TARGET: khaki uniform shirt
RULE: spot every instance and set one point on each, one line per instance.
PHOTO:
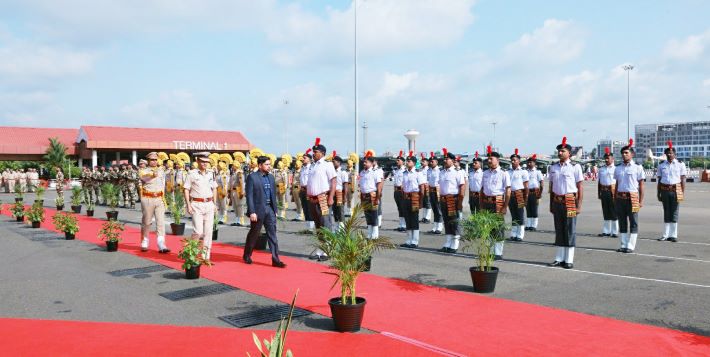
(153, 179)
(200, 185)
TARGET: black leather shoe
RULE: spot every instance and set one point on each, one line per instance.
(615, 236)
(323, 258)
(313, 257)
(629, 250)
(405, 245)
(533, 229)
(452, 251)
(221, 222)
(621, 250)
(568, 265)
(235, 224)
(673, 239)
(164, 251)
(442, 249)
(437, 232)
(247, 260)
(425, 220)
(498, 257)
(278, 264)
(413, 246)
(144, 249)
(602, 235)
(555, 264)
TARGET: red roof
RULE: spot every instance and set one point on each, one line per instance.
(111, 137)
(34, 141)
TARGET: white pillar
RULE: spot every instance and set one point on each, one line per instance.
(81, 162)
(118, 157)
(134, 158)
(94, 158)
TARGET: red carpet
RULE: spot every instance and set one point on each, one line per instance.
(464, 323)
(20, 337)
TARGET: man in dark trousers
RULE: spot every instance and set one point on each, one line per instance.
(261, 209)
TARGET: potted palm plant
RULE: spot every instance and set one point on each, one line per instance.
(19, 195)
(110, 193)
(39, 194)
(176, 205)
(76, 193)
(481, 231)
(18, 211)
(111, 233)
(348, 248)
(35, 214)
(193, 255)
(66, 222)
(90, 209)
(59, 202)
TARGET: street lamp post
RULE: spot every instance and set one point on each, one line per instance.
(493, 143)
(628, 69)
(286, 125)
(357, 150)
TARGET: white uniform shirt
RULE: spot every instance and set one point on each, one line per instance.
(495, 182)
(200, 185)
(628, 176)
(606, 175)
(368, 181)
(534, 178)
(449, 181)
(432, 177)
(319, 178)
(670, 172)
(475, 178)
(380, 174)
(517, 178)
(342, 177)
(397, 176)
(424, 171)
(411, 180)
(564, 177)
(304, 174)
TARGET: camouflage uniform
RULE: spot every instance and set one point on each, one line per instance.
(60, 183)
(87, 186)
(129, 192)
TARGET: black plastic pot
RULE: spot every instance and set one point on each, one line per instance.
(111, 246)
(347, 318)
(20, 219)
(89, 213)
(178, 229)
(112, 215)
(483, 281)
(60, 207)
(18, 199)
(76, 209)
(69, 236)
(193, 273)
(215, 234)
(36, 224)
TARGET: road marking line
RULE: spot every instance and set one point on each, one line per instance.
(609, 251)
(421, 344)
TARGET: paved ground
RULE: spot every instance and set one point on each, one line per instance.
(664, 284)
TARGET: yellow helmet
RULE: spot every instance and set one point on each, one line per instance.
(299, 163)
(173, 157)
(194, 164)
(222, 165)
(354, 158)
(226, 158)
(255, 153)
(180, 164)
(170, 163)
(162, 156)
(286, 159)
(239, 156)
(183, 156)
(272, 157)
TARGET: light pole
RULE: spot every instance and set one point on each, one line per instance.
(364, 134)
(628, 68)
(286, 125)
(493, 143)
(357, 149)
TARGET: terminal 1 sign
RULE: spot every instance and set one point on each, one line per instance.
(199, 145)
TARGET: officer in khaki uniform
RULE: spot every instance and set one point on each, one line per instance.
(200, 195)
(296, 191)
(223, 179)
(152, 203)
(281, 177)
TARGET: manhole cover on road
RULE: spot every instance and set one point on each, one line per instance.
(136, 271)
(262, 316)
(196, 292)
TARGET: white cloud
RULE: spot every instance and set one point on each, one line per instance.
(174, 109)
(689, 49)
(26, 62)
(557, 41)
(384, 26)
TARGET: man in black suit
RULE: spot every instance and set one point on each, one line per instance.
(261, 209)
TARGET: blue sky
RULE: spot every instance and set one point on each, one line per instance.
(541, 69)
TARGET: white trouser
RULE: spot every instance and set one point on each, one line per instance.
(202, 222)
(569, 255)
(415, 237)
(560, 256)
(449, 240)
(674, 230)
(402, 222)
(667, 230)
(607, 227)
(632, 241)
(521, 232)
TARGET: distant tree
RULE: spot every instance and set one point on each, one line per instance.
(699, 161)
(56, 154)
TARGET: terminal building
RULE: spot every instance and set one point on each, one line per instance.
(106, 145)
(691, 139)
